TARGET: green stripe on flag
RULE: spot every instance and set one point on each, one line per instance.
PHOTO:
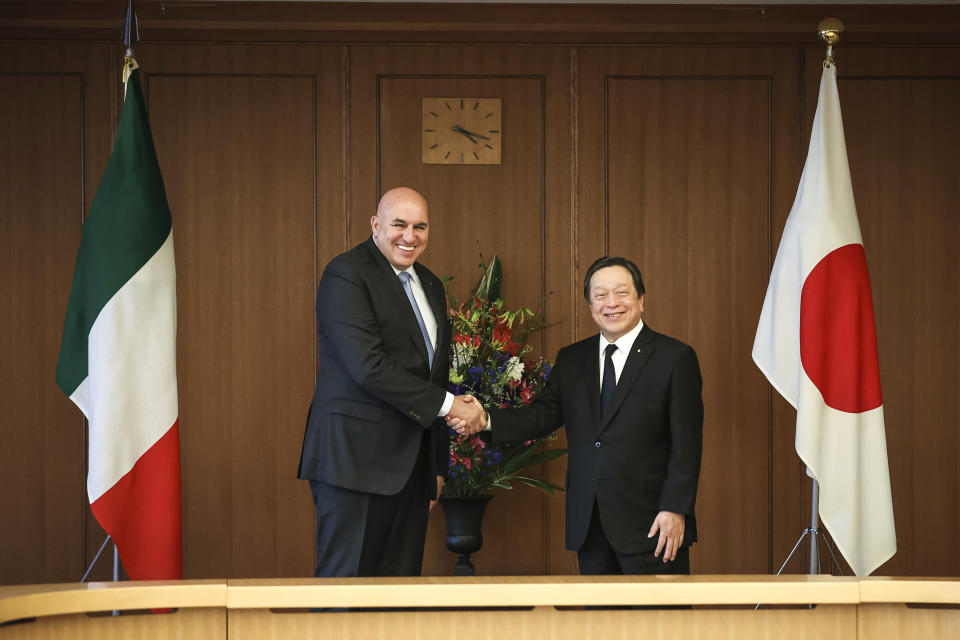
(128, 222)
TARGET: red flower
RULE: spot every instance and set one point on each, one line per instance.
(526, 394)
(512, 348)
(501, 333)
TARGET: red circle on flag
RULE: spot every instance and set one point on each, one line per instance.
(838, 335)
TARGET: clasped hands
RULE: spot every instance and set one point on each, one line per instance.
(466, 416)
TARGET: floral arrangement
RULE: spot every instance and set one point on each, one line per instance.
(487, 359)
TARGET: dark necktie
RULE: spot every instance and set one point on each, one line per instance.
(609, 384)
(408, 288)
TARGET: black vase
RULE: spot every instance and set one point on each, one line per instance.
(464, 519)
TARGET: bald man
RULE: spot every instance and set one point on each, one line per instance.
(376, 446)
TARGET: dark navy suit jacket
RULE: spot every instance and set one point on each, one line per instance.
(375, 392)
(643, 458)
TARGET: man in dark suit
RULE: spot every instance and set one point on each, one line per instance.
(631, 402)
(375, 449)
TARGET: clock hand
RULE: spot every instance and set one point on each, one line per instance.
(482, 137)
(466, 133)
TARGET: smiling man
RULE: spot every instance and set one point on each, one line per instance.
(375, 448)
(630, 399)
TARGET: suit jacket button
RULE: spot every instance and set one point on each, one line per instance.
(597, 444)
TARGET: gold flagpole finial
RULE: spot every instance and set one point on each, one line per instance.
(830, 30)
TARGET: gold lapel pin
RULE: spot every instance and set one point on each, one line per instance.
(639, 350)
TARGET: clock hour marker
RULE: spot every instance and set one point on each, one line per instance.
(475, 106)
(461, 157)
(434, 114)
(435, 146)
(446, 156)
(494, 131)
(488, 146)
(488, 115)
(430, 130)
(461, 104)
(448, 104)
(475, 155)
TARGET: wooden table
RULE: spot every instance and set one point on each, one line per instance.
(555, 607)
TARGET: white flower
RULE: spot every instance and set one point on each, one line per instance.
(462, 355)
(514, 369)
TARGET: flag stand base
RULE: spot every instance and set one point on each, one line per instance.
(813, 531)
(116, 564)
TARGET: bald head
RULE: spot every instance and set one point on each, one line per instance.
(401, 226)
(400, 197)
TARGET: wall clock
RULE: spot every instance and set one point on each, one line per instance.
(460, 131)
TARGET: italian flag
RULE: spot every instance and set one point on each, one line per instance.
(817, 345)
(118, 354)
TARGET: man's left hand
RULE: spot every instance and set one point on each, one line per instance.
(439, 491)
(670, 525)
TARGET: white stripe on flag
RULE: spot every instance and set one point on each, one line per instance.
(130, 394)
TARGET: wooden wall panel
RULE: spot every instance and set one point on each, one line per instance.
(504, 208)
(691, 158)
(239, 175)
(688, 201)
(241, 144)
(42, 121)
(53, 112)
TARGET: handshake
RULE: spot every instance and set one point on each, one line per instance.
(466, 416)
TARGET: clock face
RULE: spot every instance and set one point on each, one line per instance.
(460, 131)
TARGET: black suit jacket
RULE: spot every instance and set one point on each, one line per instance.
(375, 391)
(643, 458)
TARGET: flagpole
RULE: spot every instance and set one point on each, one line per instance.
(829, 30)
(814, 527)
(129, 64)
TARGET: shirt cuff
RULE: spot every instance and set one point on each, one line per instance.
(446, 406)
(489, 426)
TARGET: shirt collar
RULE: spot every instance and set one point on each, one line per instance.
(625, 342)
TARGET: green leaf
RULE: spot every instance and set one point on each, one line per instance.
(518, 461)
(549, 487)
(529, 457)
(545, 456)
(490, 283)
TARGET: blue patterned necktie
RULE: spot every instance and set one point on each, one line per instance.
(609, 384)
(408, 288)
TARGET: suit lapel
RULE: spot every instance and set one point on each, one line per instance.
(394, 290)
(639, 354)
